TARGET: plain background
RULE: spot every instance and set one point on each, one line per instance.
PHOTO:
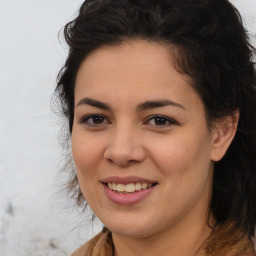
(35, 216)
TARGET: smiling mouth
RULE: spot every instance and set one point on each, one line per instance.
(128, 188)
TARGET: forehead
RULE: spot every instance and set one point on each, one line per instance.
(135, 70)
(136, 56)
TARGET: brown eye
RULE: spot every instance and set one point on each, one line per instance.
(97, 119)
(94, 120)
(160, 121)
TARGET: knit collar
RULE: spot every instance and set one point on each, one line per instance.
(224, 240)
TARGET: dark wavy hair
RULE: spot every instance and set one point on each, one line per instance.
(213, 49)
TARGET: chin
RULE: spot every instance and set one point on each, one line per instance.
(131, 232)
(133, 228)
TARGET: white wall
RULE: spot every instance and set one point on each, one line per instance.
(34, 218)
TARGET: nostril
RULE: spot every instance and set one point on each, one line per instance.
(124, 151)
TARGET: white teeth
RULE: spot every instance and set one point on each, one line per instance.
(120, 187)
(110, 186)
(144, 185)
(129, 188)
(114, 186)
(138, 186)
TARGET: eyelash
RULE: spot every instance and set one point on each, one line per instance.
(162, 118)
(167, 121)
(85, 120)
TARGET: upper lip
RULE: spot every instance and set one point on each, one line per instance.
(127, 180)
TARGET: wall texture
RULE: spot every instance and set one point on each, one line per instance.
(35, 216)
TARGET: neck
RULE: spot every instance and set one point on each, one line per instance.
(181, 240)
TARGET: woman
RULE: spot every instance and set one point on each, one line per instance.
(160, 96)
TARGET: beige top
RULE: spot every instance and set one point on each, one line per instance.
(226, 240)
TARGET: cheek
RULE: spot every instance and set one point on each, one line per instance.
(186, 173)
(85, 152)
(183, 158)
(86, 157)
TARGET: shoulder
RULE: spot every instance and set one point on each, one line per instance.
(100, 245)
(81, 251)
(227, 240)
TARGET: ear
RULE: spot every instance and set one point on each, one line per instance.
(223, 133)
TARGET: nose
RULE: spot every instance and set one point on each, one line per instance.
(124, 148)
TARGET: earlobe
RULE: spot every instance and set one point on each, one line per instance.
(223, 134)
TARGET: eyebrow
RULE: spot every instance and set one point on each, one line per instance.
(141, 107)
(156, 104)
(93, 103)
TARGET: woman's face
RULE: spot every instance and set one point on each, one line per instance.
(140, 141)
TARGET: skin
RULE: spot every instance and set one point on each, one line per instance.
(177, 153)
